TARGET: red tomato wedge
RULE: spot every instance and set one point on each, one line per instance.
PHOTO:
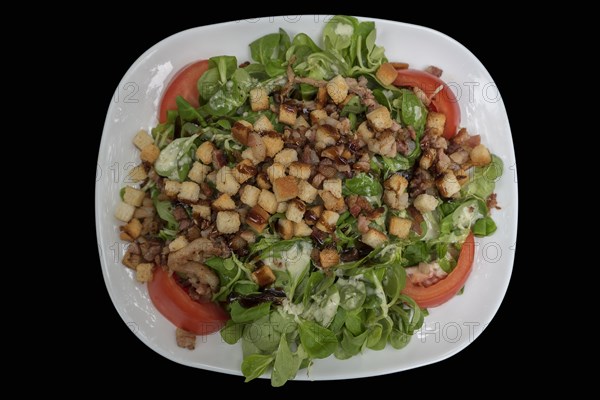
(176, 305)
(184, 84)
(444, 290)
(444, 101)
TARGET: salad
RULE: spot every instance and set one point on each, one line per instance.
(312, 202)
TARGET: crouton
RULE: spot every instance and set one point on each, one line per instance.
(317, 115)
(200, 210)
(172, 188)
(425, 202)
(228, 221)
(125, 236)
(190, 192)
(282, 207)
(124, 211)
(386, 73)
(312, 215)
(400, 227)
(226, 182)
(427, 158)
(248, 236)
(267, 201)
(337, 89)
(285, 188)
(331, 202)
(150, 153)
(300, 170)
(205, 152)
(364, 132)
(143, 272)
(301, 122)
(295, 210)
(276, 171)
(286, 157)
(249, 195)
(447, 184)
(179, 243)
(326, 135)
(262, 181)
(374, 238)
(240, 131)
(480, 156)
(256, 143)
(257, 218)
(321, 99)
(263, 276)
(436, 123)
(259, 99)
(248, 155)
(198, 172)
(285, 228)
(302, 229)
(394, 200)
(142, 139)
(223, 203)
(244, 171)
(287, 114)
(133, 228)
(385, 145)
(273, 143)
(307, 192)
(133, 196)
(380, 118)
(137, 174)
(263, 124)
(397, 183)
(328, 221)
(334, 186)
(329, 258)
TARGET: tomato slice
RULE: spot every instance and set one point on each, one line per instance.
(444, 101)
(184, 84)
(176, 305)
(444, 290)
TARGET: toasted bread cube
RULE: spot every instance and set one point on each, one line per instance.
(273, 143)
(380, 118)
(329, 258)
(257, 218)
(300, 170)
(317, 115)
(142, 139)
(262, 181)
(228, 221)
(179, 243)
(240, 131)
(244, 170)
(307, 192)
(447, 184)
(226, 182)
(374, 238)
(200, 210)
(400, 227)
(286, 157)
(322, 97)
(124, 211)
(267, 201)
(150, 153)
(334, 186)
(328, 221)
(263, 124)
(263, 276)
(249, 155)
(256, 143)
(276, 171)
(287, 114)
(337, 89)
(172, 188)
(143, 272)
(285, 188)
(198, 172)
(224, 203)
(285, 228)
(282, 207)
(331, 202)
(427, 158)
(190, 192)
(326, 135)
(425, 203)
(394, 200)
(249, 195)
(364, 132)
(212, 177)
(259, 99)
(386, 73)
(205, 152)
(125, 236)
(302, 229)
(137, 174)
(397, 183)
(133, 228)
(480, 156)
(436, 122)
(295, 210)
(133, 196)
(301, 122)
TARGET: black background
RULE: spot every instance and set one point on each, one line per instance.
(115, 44)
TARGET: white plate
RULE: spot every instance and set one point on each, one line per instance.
(447, 330)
